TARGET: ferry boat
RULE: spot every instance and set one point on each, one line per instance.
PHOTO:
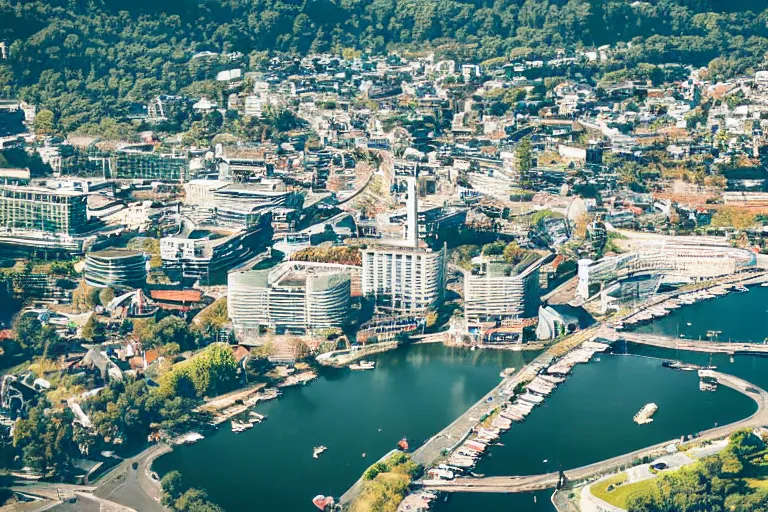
(363, 365)
(323, 502)
(644, 416)
(317, 450)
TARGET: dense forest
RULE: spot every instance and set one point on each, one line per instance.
(89, 59)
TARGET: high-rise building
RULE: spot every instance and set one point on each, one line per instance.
(401, 276)
(403, 280)
(61, 212)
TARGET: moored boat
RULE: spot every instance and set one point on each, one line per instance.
(323, 502)
(363, 365)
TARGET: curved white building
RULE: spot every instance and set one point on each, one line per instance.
(672, 257)
(291, 297)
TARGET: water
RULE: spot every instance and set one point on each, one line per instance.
(413, 392)
(740, 317)
(522, 502)
(589, 417)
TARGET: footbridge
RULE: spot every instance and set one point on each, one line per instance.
(656, 340)
(514, 484)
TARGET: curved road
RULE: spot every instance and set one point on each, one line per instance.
(537, 482)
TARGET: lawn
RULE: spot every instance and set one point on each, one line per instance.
(758, 483)
(621, 491)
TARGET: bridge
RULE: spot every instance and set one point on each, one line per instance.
(670, 342)
(514, 484)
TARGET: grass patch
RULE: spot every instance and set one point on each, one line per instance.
(757, 483)
(620, 491)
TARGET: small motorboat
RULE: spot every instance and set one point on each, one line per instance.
(258, 418)
(323, 502)
(403, 444)
(318, 450)
(363, 365)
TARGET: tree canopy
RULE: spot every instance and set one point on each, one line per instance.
(84, 61)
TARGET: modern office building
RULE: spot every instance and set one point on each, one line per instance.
(292, 297)
(149, 165)
(206, 255)
(61, 212)
(239, 205)
(500, 299)
(681, 259)
(115, 267)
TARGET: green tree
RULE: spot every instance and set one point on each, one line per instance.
(173, 487)
(44, 122)
(524, 156)
(93, 329)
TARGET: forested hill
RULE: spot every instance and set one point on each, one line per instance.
(87, 59)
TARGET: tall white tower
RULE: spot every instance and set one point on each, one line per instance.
(412, 206)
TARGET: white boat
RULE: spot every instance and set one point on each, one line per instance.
(317, 450)
(258, 418)
(241, 426)
(363, 365)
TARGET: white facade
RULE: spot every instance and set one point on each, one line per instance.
(402, 279)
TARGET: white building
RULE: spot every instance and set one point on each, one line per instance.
(292, 297)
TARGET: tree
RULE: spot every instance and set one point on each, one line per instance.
(173, 487)
(44, 122)
(524, 155)
(513, 253)
(45, 438)
(93, 329)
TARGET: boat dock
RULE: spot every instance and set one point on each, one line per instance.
(232, 404)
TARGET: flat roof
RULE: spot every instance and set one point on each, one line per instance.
(42, 190)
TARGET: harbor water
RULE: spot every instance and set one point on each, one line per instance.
(414, 392)
(589, 417)
(738, 317)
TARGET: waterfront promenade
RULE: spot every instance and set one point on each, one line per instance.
(508, 484)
